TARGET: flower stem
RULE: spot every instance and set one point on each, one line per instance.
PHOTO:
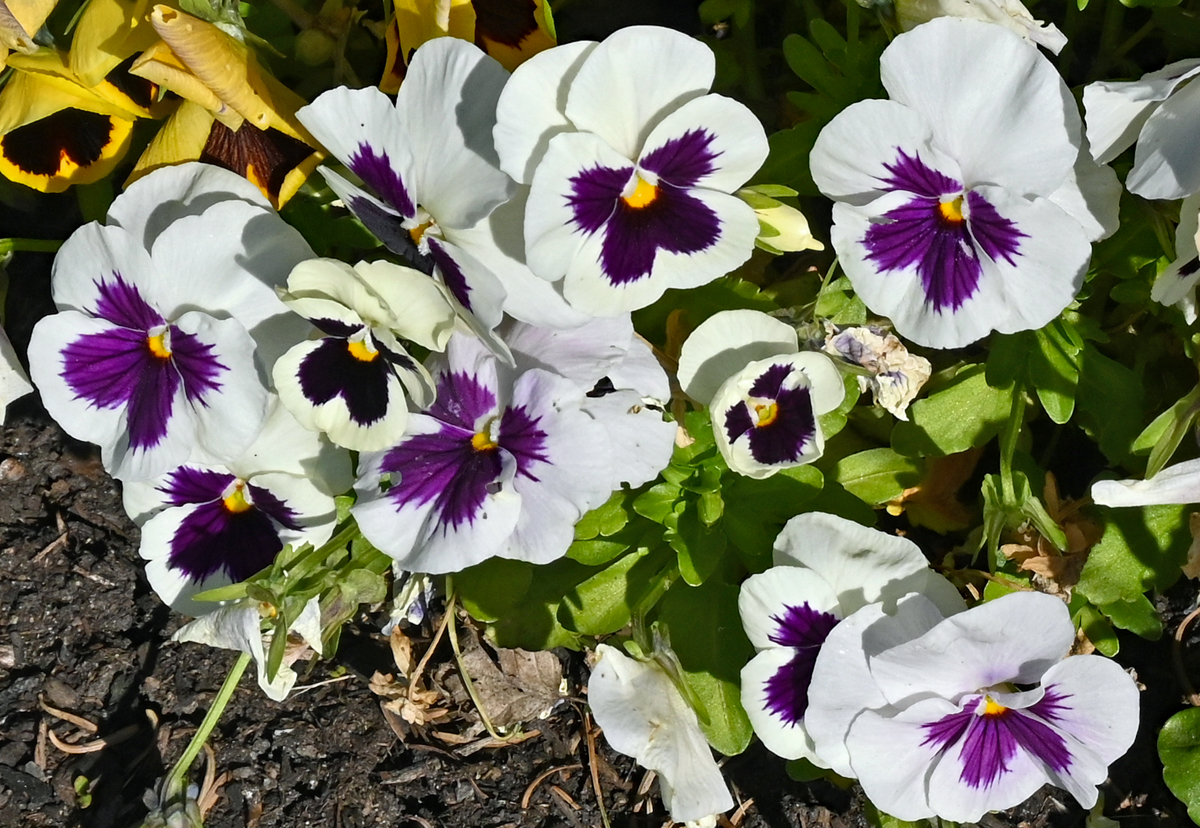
(29, 246)
(175, 779)
(1008, 442)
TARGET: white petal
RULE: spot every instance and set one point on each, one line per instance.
(1092, 196)
(448, 105)
(13, 382)
(155, 201)
(641, 371)
(532, 107)
(724, 344)
(767, 597)
(1165, 164)
(639, 442)
(995, 104)
(420, 310)
(842, 686)
(735, 140)
(611, 97)
(239, 627)
(93, 254)
(482, 290)
(1172, 288)
(1117, 110)
(1015, 638)
(308, 624)
(583, 354)
(860, 564)
(644, 716)
(1179, 483)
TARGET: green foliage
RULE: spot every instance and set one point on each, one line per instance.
(965, 413)
(1142, 549)
(1179, 750)
(878, 475)
(706, 635)
(1163, 436)
(1110, 404)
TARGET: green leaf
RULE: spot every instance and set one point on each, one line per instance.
(1141, 549)
(878, 475)
(229, 592)
(531, 622)
(1163, 436)
(879, 819)
(604, 520)
(1054, 370)
(966, 413)
(706, 634)
(1110, 404)
(755, 510)
(698, 547)
(595, 552)
(603, 603)
(658, 502)
(487, 590)
(1098, 630)
(1000, 513)
(1179, 750)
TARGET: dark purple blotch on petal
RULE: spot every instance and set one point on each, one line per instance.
(944, 251)
(387, 227)
(330, 370)
(197, 364)
(1189, 268)
(683, 161)
(376, 171)
(122, 304)
(452, 274)
(446, 469)
(213, 538)
(785, 438)
(462, 400)
(804, 629)
(522, 437)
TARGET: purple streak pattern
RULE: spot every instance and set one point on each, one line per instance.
(943, 248)
(786, 436)
(804, 629)
(377, 172)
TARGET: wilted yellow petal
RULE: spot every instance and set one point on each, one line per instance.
(223, 64)
(160, 65)
(31, 14)
(108, 32)
(13, 35)
(417, 22)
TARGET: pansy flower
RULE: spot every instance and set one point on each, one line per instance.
(503, 464)
(204, 526)
(764, 395)
(14, 384)
(427, 164)
(825, 569)
(964, 203)
(1176, 285)
(631, 167)
(351, 384)
(1161, 112)
(895, 376)
(644, 715)
(153, 351)
(973, 713)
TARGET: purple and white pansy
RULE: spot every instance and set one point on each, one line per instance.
(631, 166)
(351, 383)
(428, 165)
(764, 395)
(825, 569)
(1161, 112)
(1176, 285)
(964, 203)
(152, 355)
(503, 464)
(954, 717)
(205, 526)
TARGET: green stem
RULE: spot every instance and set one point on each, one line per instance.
(29, 246)
(1008, 442)
(178, 773)
(348, 534)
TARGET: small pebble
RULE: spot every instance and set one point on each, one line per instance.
(11, 469)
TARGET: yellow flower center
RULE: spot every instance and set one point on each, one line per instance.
(158, 345)
(952, 210)
(643, 194)
(993, 708)
(483, 442)
(766, 413)
(418, 232)
(360, 350)
(236, 501)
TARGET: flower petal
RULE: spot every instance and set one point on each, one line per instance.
(724, 344)
(712, 142)
(1165, 164)
(775, 708)
(1179, 483)
(788, 606)
(1117, 110)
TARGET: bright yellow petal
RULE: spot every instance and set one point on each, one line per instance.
(181, 139)
(42, 86)
(108, 32)
(511, 31)
(13, 36)
(161, 65)
(416, 22)
(31, 14)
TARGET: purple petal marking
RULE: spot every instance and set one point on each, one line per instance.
(190, 485)
(106, 367)
(991, 741)
(675, 221)
(804, 629)
(377, 172)
(443, 468)
(683, 161)
(122, 304)
(521, 436)
(785, 438)
(330, 370)
(335, 327)
(196, 363)
(212, 538)
(452, 274)
(1052, 704)
(152, 403)
(944, 251)
(388, 229)
(462, 401)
